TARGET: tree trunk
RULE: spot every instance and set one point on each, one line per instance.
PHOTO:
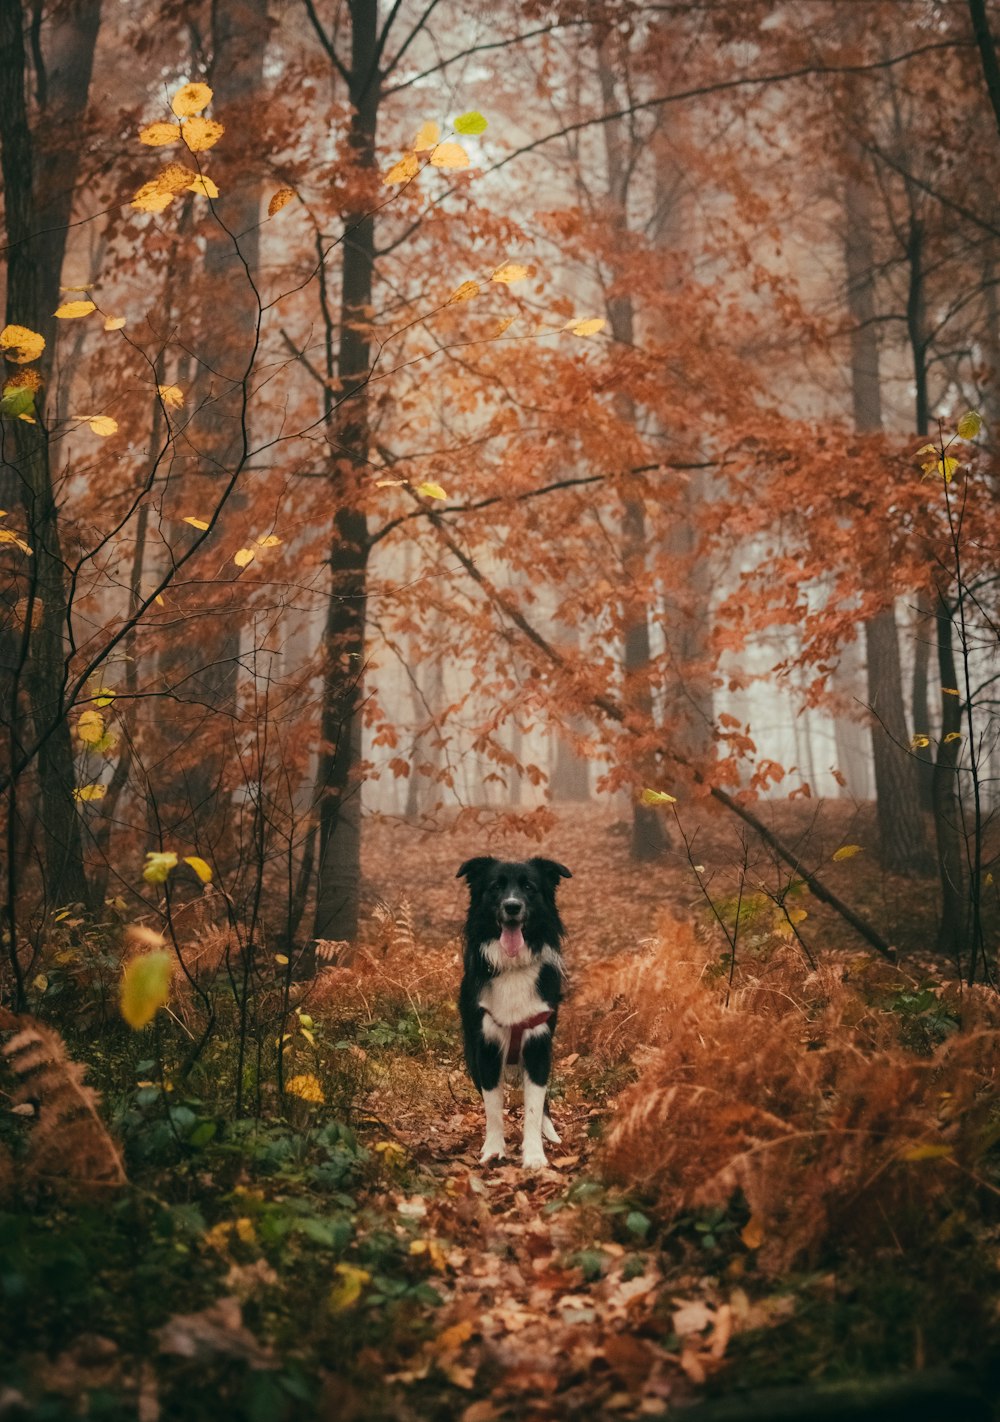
(339, 785)
(38, 195)
(953, 929)
(902, 839)
(205, 670)
(649, 836)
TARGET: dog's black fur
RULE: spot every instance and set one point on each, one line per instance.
(512, 902)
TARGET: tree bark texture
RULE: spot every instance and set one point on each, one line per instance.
(649, 836)
(902, 839)
(339, 784)
(39, 183)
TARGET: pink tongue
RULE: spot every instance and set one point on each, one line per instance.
(512, 940)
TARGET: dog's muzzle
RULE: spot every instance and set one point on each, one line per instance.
(512, 916)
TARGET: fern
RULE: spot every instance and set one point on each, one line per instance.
(70, 1149)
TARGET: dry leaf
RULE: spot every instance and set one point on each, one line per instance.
(281, 199)
(203, 186)
(427, 137)
(201, 133)
(114, 323)
(450, 155)
(408, 167)
(171, 395)
(73, 310)
(510, 272)
(20, 344)
(465, 292)
(243, 557)
(157, 134)
(191, 99)
(586, 327)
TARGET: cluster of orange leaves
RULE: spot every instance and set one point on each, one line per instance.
(797, 1095)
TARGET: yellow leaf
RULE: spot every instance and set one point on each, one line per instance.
(271, 540)
(752, 1233)
(347, 1290)
(174, 178)
(306, 1087)
(427, 137)
(203, 870)
(191, 99)
(470, 123)
(281, 199)
(203, 186)
(151, 198)
(504, 325)
(431, 491)
(72, 310)
(114, 323)
(797, 915)
(970, 424)
(281, 958)
(85, 793)
(465, 292)
(197, 523)
(408, 167)
(919, 741)
(243, 557)
(102, 425)
(925, 1150)
(103, 696)
(946, 468)
(392, 1152)
(41, 982)
(90, 727)
(145, 987)
(171, 395)
(158, 865)
(950, 691)
(586, 327)
(847, 851)
(21, 344)
(7, 535)
(657, 797)
(202, 133)
(952, 736)
(157, 134)
(450, 155)
(510, 272)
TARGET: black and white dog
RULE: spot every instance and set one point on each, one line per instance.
(511, 988)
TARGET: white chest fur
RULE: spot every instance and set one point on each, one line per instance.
(512, 996)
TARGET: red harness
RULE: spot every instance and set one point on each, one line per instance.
(517, 1032)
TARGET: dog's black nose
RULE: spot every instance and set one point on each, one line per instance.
(512, 907)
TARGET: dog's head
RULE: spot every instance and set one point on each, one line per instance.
(515, 902)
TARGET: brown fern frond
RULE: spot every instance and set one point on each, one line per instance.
(403, 936)
(71, 1150)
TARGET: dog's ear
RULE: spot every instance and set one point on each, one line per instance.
(551, 869)
(473, 868)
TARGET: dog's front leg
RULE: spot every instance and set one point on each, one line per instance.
(491, 1086)
(537, 1060)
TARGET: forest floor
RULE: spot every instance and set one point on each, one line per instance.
(356, 1262)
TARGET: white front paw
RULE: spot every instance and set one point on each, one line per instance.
(533, 1158)
(494, 1149)
(549, 1131)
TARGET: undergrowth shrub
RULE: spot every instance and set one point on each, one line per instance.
(809, 1094)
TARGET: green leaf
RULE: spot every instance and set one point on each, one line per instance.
(470, 123)
(637, 1223)
(145, 987)
(158, 866)
(17, 400)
